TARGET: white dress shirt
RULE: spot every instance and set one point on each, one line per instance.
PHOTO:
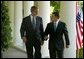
(56, 23)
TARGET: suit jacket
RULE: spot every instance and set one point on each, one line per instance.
(27, 27)
(56, 37)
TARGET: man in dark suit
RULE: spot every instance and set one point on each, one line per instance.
(56, 29)
(32, 33)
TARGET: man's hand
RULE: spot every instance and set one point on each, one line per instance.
(45, 38)
(41, 41)
(67, 46)
(24, 39)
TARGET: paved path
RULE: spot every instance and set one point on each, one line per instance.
(14, 53)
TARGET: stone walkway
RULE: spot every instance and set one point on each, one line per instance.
(14, 53)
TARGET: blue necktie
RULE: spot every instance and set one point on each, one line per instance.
(54, 26)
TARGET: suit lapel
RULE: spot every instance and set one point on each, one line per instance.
(52, 26)
(36, 22)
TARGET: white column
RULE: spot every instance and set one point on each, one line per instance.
(17, 22)
(68, 15)
(11, 17)
(44, 12)
(27, 7)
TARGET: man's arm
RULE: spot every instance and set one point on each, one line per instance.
(42, 30)
(46, 32)
(23, 31)
(66, 36)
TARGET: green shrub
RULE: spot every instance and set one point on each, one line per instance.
(5, 27)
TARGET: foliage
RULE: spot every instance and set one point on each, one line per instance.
(80, 53)
(56, 5)
(5, 27)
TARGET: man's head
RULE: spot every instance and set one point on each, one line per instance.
(55, 16)
(34, 10)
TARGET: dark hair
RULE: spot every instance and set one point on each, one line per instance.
(33, 8)
(56, 14)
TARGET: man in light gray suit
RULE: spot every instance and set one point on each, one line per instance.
(32, 33)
